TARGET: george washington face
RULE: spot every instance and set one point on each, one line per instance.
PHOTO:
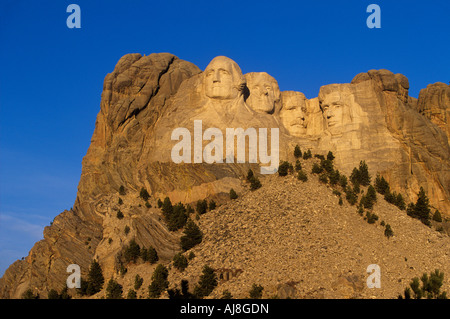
(223, 79)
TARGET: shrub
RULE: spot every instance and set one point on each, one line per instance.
(177, 218)
(255, 183)
(132, 252)
(159, 281)
(388, 231)
(202, 206)
(149, 255)
(120, 201)
(343, 181)
(113, 290)
(249, 175)
(183, 294)
(207, 282)
(119, 214)
(126, 229)
(192, 235)
(131, 294)
(302, 176)
(323, 178)
(28, 294)
(297, 151)
(138, 281)
(180, 262)
(53, 294)
(340, 201)
(122, 190)
(327, 165)
(298, 166)
(381, 185)
(233, 194)
(431, 287)
(160, 203)
(226, 294)
(350, 195)
(144, 194)
(212, 205)
(256, 291)
(334, 177)
(307, 155)
(283, 168)
(316, 169)
(361, 175)
(330, 156)
(437, 216)
(371, 218)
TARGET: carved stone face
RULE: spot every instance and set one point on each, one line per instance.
(223, 79)
(294, 112)
(339, 108)
(264, 92)
(333, 110)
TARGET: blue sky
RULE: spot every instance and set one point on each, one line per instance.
(51, 77)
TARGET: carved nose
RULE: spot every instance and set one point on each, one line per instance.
(216, 77)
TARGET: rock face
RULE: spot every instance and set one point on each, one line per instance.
(434, 103)
(146, 98)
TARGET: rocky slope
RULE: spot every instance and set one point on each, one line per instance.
(146, 97)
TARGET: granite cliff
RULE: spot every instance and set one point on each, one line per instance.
(146, 97)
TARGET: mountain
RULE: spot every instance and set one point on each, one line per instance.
(150, 102)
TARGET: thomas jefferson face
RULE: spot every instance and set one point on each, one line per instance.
(222, 79)
(264, 92)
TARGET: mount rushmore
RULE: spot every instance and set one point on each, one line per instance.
(145, 98)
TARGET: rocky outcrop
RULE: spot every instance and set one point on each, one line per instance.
(434, 103)
(146, 98)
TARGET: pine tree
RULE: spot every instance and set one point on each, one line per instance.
(381, 185)
(256, 291)
(330, 156)
(132, 251)
(159, 281)
(207, 282)
(212, 205)
(202, 206)
(144, 194)
(249, 175)
(138, 281)
(180, 262)
(297, 152)
(437, 216)
(113, 290)
(95, 278)
(421, 209)
(233, 194)
(122, 190)
(131, 294)
(192, 235)
(283, 168)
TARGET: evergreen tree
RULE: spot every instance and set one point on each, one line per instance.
(202, 206)
(192, 235)
(283, 168)
(364, 176)
(95, 278)
(249, 175)
(255, 183)
(297, 152)
(138, 281)
(327, 165)
(122, 190)
(233, 194)
(207, 282)
(437, 216)
(144, 194)
(159, 281)
(381, 185)
(256, 291)
(212, 205)
(302, 176)
(53, 294)
(316, 169)
(334, 177)
(159, 203)
(388, 231)
(113, 290)
(307, 155)
(421, 209)
(167, 208)
(119, 214)
(131, 294)
(330, 156)
(298, 166)
(180, 262)
(132, 252)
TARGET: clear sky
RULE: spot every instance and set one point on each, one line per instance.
(51, 77)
